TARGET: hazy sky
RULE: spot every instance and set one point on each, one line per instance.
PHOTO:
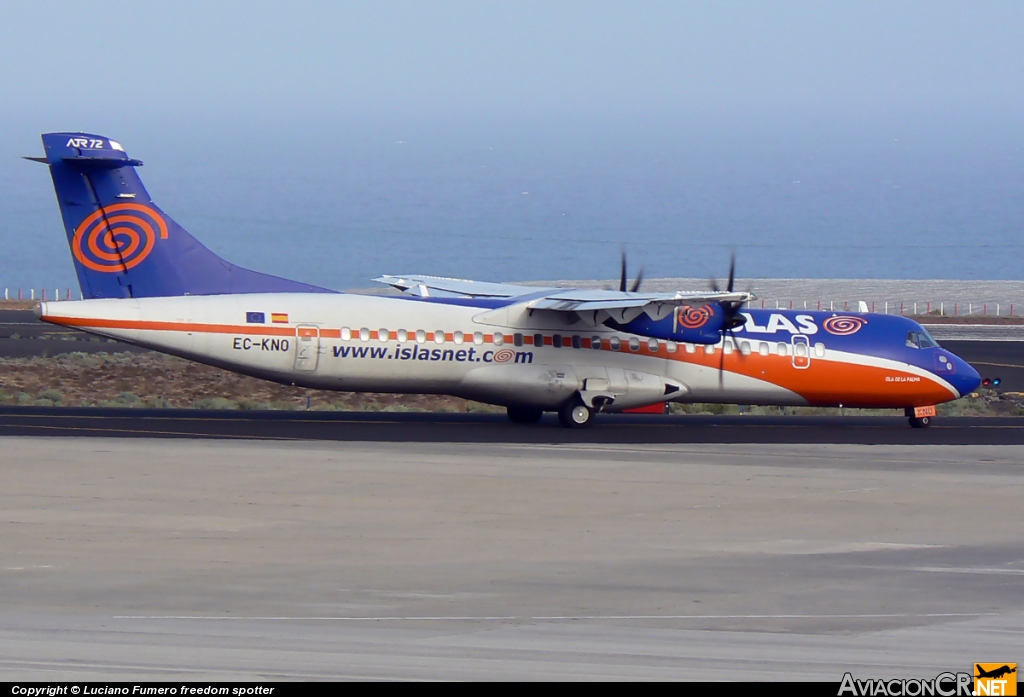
(111, 65)
(819, 138)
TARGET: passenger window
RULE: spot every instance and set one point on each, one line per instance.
(783, 349)
(691, 348)
(438, 336)
(499, 339)
(458, 337)
(819, 350)
(403, 335)
(478, 338)
(364, 334)
(615, 343)
(671, 346)
(764, 349)
(346, 333)
(709, 348)
(595, 343)
(800, 350)
(577, 342)
(421, 336)
(912, 340)
(517, 339)
(383, 334)
(652, 345)
(727, 347)
(745, 348)
(634, 344)
(538, 339)
(556, 341)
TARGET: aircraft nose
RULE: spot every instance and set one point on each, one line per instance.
(968, 378)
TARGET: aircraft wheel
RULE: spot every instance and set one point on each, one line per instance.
(524, 415)
(575, 414)
(920, 422)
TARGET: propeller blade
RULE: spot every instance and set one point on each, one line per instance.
(732, 270)
(721, 366)
(622, 276)
(638, 281)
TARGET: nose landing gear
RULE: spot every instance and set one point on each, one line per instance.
(919, 417)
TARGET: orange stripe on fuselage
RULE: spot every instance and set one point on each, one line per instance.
(194, 327)
(824, 383)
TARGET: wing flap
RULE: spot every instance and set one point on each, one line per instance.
(461, 286)
(590, 300)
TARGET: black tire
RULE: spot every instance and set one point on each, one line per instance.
(575, 414)
(920, 421)
(524, 415)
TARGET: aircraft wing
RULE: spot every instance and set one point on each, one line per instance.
(614, 304)
(590, 300)
(461, 286)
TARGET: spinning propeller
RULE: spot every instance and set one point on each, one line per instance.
(731, 311)
(622, 278)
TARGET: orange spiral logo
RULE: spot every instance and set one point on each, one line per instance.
(118, 237)
(503, 356)
(693, 317)
(843, 326)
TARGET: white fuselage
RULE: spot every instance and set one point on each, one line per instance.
(368, 343)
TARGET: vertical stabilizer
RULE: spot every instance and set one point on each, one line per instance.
(122, 244)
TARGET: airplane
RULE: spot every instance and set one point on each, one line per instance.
(577, 352)
(994, 673)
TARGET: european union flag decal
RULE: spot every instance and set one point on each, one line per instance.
(255, 318)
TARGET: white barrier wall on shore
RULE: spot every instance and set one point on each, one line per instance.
(915, 297)
(43, 294)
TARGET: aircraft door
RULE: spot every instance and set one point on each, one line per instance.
(801, 351)
(307, 347)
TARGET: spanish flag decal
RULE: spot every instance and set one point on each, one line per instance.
(279, 317)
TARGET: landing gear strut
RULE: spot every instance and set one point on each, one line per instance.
(575, 414)
(524, 415)
(920, 417)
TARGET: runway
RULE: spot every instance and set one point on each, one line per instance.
(184, 559)
(396, 427)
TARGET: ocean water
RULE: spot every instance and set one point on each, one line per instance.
(337, 209)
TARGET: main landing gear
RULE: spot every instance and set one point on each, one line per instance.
(575, 414)
(524, 415)
(920, 421)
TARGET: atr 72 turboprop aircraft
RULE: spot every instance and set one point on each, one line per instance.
(147, 281)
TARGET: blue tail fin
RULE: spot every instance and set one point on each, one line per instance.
(123, 245)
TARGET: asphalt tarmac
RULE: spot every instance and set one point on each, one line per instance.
(404, 427)
(182, 559)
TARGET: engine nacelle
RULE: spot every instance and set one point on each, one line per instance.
(692, 325)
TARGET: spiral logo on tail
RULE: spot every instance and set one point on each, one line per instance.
(843, 326)
(693, 317)
(117, 237)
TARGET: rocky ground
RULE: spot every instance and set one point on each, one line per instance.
(155, 380)
(159, 381)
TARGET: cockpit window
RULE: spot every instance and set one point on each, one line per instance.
(926, 339)
(921, 339)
